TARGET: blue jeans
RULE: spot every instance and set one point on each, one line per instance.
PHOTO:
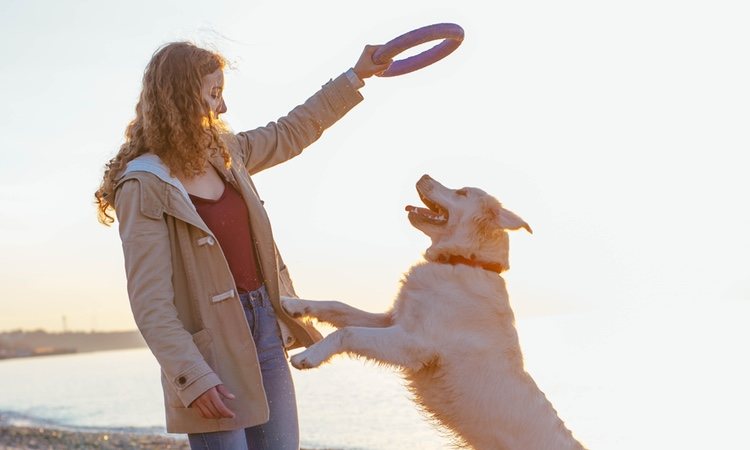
(281, 432)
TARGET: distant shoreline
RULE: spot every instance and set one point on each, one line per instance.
(23, 344)
(37, 353)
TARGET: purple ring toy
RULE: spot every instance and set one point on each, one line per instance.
(451, 34)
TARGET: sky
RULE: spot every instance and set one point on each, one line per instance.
(617, 130)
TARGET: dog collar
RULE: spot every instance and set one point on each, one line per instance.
(458, 259)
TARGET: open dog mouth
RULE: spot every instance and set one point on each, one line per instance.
(434, 213)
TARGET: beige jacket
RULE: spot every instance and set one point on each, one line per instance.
(181, 290)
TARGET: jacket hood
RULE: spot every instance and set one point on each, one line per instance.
(153, 164)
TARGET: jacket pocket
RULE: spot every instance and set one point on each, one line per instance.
(204, 342)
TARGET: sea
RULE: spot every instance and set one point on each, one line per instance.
(665, 377)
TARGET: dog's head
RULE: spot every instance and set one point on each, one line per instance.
(464, 222)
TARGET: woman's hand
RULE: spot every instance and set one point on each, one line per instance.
(211, 405)
(366, 67)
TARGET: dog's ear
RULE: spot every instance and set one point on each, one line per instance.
(494, 219)
(510, 221)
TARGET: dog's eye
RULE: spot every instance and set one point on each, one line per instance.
(462, 192)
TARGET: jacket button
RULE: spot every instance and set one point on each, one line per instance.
(181, 380)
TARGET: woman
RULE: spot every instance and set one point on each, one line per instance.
(203, 272)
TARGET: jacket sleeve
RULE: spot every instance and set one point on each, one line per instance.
(148, 266)
(284, 139)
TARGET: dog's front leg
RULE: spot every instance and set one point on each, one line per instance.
(336, 313)
(391, 345)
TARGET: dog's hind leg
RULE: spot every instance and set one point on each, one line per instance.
(391, 345)
(336, 313)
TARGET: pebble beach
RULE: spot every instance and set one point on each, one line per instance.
(23, 438)
(38, 438)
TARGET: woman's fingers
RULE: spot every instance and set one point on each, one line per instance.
(224, 392)
(217, 404)
(198, 404)
(371, 49)
(222, 409)
(203, 412)
(366, 67)
(210, 404)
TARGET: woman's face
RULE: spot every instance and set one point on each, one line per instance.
(212, 91)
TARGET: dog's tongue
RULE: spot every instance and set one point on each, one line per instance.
(424, 212)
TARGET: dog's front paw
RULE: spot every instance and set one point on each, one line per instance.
(302, 361)
(294, 306)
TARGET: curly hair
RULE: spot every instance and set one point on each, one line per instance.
(172, 120)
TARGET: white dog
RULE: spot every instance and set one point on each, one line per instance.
(451, 330)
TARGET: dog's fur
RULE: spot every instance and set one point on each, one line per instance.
(451, 329)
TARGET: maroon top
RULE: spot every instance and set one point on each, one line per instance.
(229, 220)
